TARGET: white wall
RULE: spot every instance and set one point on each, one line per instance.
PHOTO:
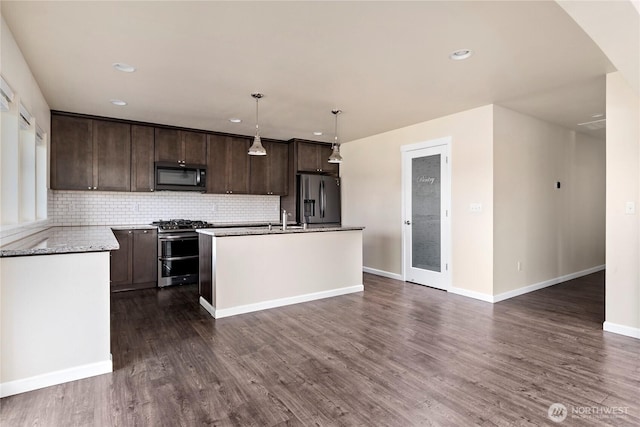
(509, 163)
(622, 312)
(16, 72)
(55, 325)
(371, 190)
(551, 232)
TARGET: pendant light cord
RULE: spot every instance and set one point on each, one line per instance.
(257, 128)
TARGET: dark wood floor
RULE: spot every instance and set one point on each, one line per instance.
(397, 354)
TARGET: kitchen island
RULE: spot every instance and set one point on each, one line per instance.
(249, 269)
(55, 299)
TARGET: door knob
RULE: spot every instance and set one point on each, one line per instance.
(407, 222)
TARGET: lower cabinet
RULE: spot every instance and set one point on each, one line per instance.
(135, 264)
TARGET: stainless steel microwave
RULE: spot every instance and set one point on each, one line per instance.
(180, 177)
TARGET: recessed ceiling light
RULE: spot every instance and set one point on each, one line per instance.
(118, 102)
(597, 115)
(235, 120)
(121, 66)
(317, 133)
(460, 54)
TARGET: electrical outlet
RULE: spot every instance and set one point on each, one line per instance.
(136, 207)
(475, 207)
(213, 207)
(519, 266)
(630, 208)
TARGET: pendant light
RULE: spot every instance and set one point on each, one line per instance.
(256, 148)
(335, 156)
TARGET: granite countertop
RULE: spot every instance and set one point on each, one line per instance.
(257, 231)
(133, 227)
(60, 240)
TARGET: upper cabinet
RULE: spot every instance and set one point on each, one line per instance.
(89, 154)
(71, 153)
(313, 157)
(227, 164)
(269, 174)
(142, 156)
(184, 147)
(112, 156)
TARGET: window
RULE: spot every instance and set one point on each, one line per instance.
(23, 159)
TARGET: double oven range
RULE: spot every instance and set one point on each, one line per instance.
(178, 251)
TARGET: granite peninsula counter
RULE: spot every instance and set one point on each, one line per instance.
(254, 268)
(59, 240)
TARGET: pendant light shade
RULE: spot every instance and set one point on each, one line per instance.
(256, 148)
(335, 156)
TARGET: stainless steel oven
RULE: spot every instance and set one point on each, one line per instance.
(178, 251)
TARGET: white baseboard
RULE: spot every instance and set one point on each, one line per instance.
(248, 308)
(471, 294)
(57, 377)
(627, 331)
(382, 273)
(541, 285)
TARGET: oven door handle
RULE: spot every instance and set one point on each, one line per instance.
(178, 238)
(177, 258)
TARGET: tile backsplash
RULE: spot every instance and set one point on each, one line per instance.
(113, 208)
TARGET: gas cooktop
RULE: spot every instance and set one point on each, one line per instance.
(180, 224)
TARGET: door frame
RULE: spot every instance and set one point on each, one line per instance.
(446, 200)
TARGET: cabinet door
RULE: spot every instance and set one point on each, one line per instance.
(112, 156)
(307, 157)
(278, 156)
(258, 171)
(324, 153)
(142, 172)
(145, 258)
(71, 153)
(195, 147)
(238, 171)
(120, 262)
(216, 164)
(168, 145)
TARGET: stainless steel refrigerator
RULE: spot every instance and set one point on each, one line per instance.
(318, 199)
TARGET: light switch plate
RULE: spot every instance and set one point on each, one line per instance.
(475, 207)
(630, 208)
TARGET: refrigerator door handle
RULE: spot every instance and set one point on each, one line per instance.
(323, 199)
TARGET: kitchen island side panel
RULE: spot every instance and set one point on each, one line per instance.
(55, 314)
(205, 269)
(256, 269)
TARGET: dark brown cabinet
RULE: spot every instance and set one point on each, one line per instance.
(135, 264)
(227, 164)
(313, 157)
(88, 154)
(269, 174)
(142, 155)
(184, 147)
(71, 153)
(112, 156)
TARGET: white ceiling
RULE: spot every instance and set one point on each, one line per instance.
(385, 64)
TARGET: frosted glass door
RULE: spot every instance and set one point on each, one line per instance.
(426, 216)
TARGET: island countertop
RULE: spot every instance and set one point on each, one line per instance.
(60, 240)
(258, 231)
